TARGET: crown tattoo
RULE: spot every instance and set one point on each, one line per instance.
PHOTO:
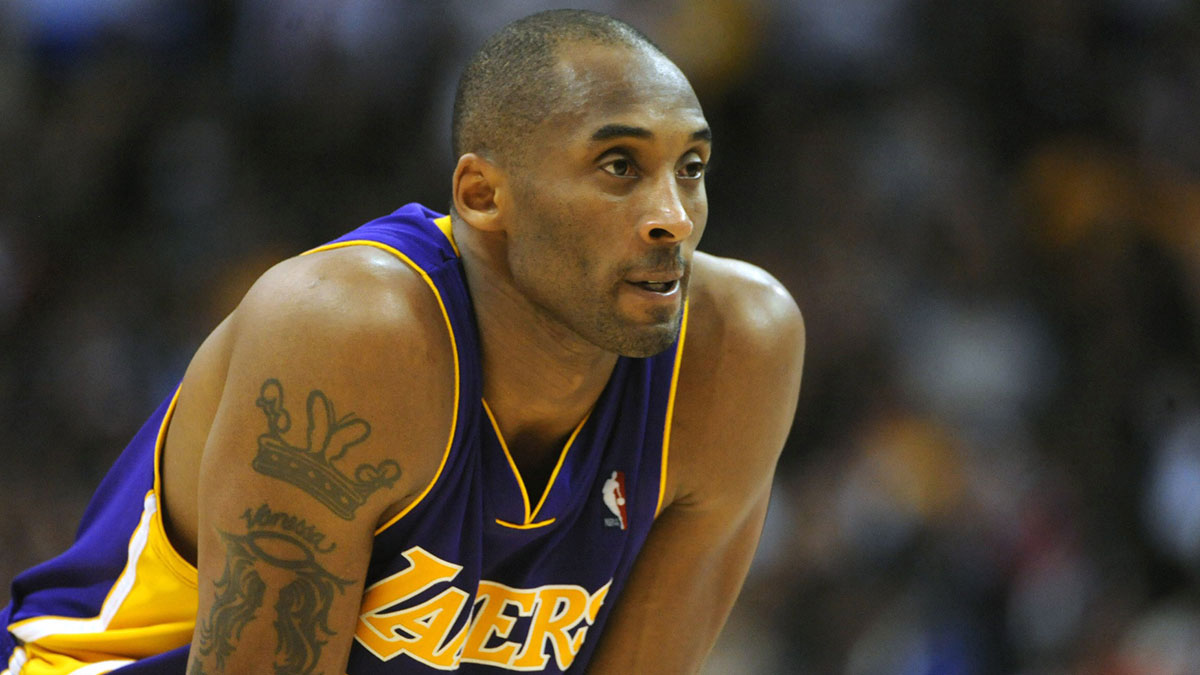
(314, 469)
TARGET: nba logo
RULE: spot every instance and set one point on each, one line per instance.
(614, 499)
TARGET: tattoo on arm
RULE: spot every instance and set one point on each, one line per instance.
(299, 613)
(312, 468)
(240, 593)
(280, 541)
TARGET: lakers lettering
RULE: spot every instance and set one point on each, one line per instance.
(553, 619)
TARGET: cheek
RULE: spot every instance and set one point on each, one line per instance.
(566, 240)
(566, 233)
(550, 252)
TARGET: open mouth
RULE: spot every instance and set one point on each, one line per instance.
(656, 286)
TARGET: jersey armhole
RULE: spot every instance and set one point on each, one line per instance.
(666, 442)
(175, 562)
(453, 350)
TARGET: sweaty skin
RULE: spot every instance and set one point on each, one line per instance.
(572, 257)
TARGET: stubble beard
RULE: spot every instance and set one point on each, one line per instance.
(587, 310)
(592, 314)
(594, 319)
(635, 341)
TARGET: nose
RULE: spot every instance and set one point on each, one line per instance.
(667, 221)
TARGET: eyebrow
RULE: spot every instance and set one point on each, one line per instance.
(611, 131)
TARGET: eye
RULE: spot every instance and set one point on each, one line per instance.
(692, 170)
(693, 167)
(619, 166)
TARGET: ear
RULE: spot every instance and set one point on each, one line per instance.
(479, 192)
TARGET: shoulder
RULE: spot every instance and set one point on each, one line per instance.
(359, 287)
(357, 307)
(741, 313)
(331, 337)
(357, 333)
(739, 381)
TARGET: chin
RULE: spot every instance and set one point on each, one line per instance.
(643, 341)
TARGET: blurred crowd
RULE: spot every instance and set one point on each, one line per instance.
(989, 212)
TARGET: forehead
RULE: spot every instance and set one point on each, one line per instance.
(603, 83)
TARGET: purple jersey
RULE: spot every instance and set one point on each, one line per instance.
(476, 575)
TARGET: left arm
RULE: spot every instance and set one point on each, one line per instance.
(736, 399)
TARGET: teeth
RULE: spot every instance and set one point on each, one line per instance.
(657, 286)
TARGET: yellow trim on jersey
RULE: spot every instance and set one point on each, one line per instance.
(453, 349)
(558, 467)
(508, 455)
(44, 662)
(161, 441)
(443, 224)
(666, 444)
(562, 456)
(527, 526)
(150, 609)
(176, 563)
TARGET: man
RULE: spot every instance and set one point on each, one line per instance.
(537, 434)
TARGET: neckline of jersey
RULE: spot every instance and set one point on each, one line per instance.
(531, 516)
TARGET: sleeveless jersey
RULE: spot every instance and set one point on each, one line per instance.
(476, 575)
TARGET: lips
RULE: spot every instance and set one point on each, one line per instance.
(657, 286)
(660, 277)
(662, 280)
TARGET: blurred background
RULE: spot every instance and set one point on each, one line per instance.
(988, 210)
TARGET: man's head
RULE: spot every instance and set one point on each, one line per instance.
(509, 85)
(582, 151)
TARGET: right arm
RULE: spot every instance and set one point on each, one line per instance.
(335, 412)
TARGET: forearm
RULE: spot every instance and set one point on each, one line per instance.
(680, 593)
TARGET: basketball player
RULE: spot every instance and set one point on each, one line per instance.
(536, 434)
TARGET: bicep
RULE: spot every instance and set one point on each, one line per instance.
(321, 429)
(284, 539)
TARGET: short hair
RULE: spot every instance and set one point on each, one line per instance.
(509, 85)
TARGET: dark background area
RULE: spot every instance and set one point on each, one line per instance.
(989, 212)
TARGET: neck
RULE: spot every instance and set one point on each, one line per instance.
(539, 377)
